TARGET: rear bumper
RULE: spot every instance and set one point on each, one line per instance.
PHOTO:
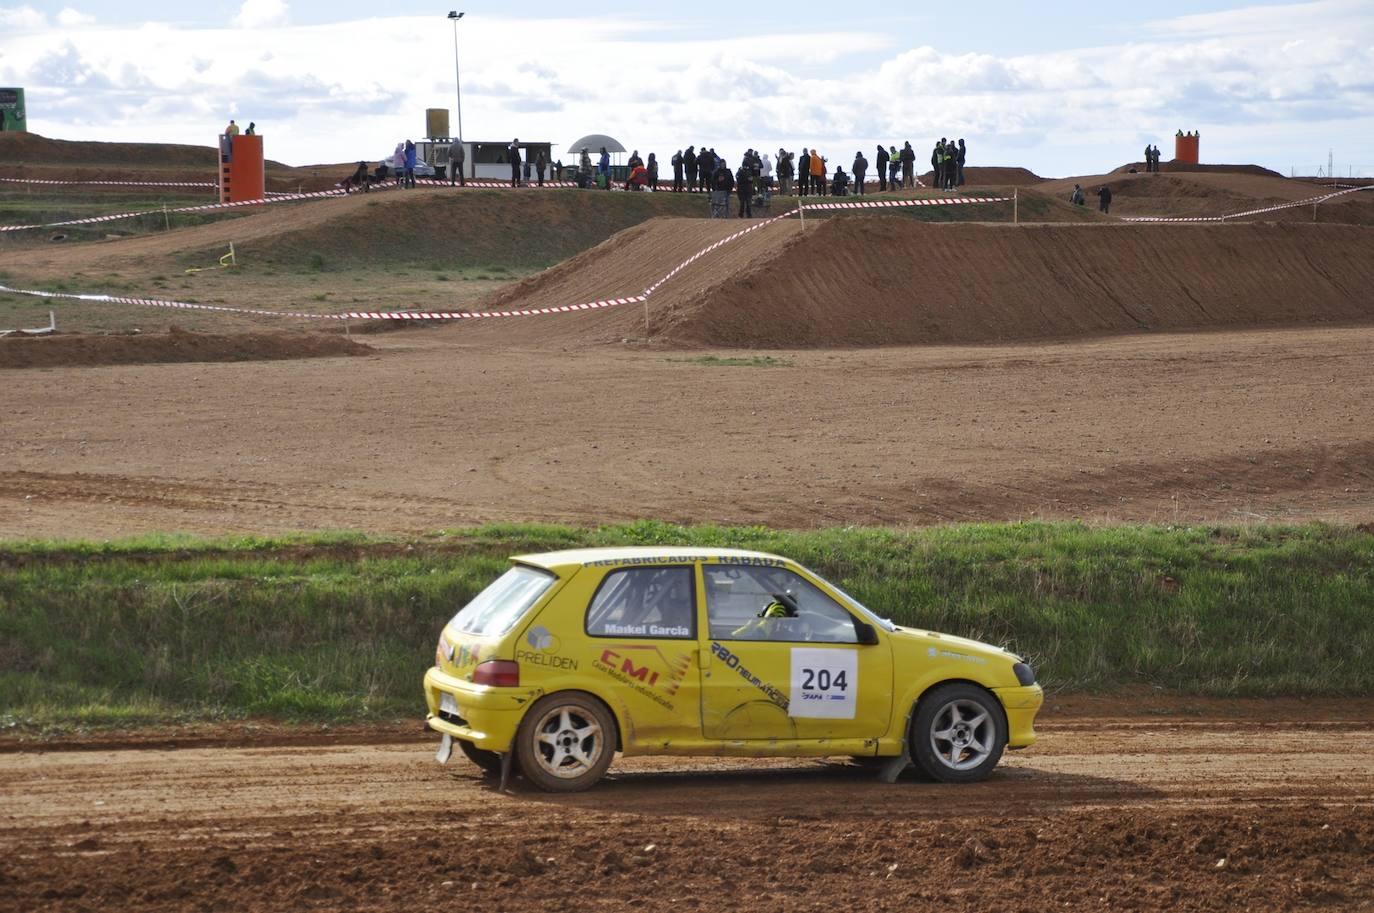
(485, 716)
(1021, 705)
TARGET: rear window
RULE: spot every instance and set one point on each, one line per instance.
(495, 610)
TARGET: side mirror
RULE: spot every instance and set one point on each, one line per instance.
(868, 635)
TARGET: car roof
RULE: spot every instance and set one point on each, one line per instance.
(642, 554)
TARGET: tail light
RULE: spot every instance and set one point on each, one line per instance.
(499, 672)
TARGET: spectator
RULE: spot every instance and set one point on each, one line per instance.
(398, 164)
(860, 169)
(959, 163)
(722, 182)
(841, 184)
(908, 166)
(233, 129)
(513, 156)
(767, 171)
(410, 164)
(950, 165)
(252, 129)
(894, 165)
(804, 173)
(880, 162)
(677, 171)
(785, 172)
(689, 167)
(584, 170)
(1076, 198)
(603, 169)
(457, 157)
(937, 163)
(744, 189)
(653, 172)
(540, 165)
(818, 170)
(358, 178)
(1104, 199)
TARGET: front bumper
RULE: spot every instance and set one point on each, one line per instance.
(485, 716)
(1021, 705)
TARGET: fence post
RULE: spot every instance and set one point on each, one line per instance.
(1016, 205)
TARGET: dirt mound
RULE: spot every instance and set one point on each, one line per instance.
(871, 281)
(1212, 194)
(983, 177)
(176, 345)
(1185, 168)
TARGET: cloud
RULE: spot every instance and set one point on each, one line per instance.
(70, 18)
(345, 90)
(259, 14)
(21, 18)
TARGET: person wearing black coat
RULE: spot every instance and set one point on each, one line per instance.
(652, 168)
(881, 160)
(860, 169)
(959, 164)
(803, 172)
(689, 167)
(677, 171)
(721, 183)
(744, 189)
(1104, 199)
(908, 166)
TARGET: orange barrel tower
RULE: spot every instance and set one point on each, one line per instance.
(1186, 148)
(242, 172)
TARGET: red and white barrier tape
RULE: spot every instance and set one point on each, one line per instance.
(205, 207)
(1310, 201)
(918, 201)
(112, 183)
(477, 315)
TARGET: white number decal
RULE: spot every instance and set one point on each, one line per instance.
(824, 683)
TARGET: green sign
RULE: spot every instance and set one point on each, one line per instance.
(12, 115)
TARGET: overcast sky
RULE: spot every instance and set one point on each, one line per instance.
(1072, 87)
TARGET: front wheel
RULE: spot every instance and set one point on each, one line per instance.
(565, 742)
(958, 734)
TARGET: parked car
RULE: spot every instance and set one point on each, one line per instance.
(572, 656)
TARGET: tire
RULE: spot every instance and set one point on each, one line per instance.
(489, 761)
(565, 742)
(958, 734)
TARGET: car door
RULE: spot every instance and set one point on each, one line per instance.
(782, 660)
(640, 626)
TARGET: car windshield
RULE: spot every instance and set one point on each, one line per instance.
(884, 623)
(495, 610)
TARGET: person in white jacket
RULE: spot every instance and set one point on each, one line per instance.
(398, 163)
(767, 170)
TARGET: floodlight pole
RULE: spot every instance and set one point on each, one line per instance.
(457, 75)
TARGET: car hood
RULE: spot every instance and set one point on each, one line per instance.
(951, 647)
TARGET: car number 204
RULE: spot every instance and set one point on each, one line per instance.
(824, 683)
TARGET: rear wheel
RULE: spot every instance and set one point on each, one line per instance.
(958, 734)
(566, 742)
(489, 761)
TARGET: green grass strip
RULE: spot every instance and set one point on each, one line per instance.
(342, 626)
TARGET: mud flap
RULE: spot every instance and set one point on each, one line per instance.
(506, 757)
(894, 768)
(445, 749)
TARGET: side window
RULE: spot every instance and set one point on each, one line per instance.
(772, 603)
(645, 602)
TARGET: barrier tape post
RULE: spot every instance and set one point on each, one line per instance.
(166, 219)
(1016, 205)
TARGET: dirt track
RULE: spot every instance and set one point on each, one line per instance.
(1234, 427)
(1270, 810)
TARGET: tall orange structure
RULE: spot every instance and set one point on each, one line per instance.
(242, 169)
(1186, 148)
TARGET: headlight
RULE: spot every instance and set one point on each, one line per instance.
(1024, 673)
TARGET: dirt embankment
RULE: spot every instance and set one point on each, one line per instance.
(174, 346)
(872, 281)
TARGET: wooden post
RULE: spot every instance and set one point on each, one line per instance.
(1016, 205)
(167, 220)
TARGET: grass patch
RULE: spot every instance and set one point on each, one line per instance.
(748, 361)
(342, 626)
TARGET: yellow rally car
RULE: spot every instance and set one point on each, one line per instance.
(571, 656)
